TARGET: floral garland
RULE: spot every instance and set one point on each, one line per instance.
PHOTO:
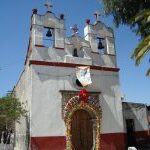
(78, 103)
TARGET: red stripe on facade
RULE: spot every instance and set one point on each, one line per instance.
(39, 45)
(103, 54)
(110, 141)
(96, 53)
(110, 54)
(59, 48)
(48, 143)
(69, 65)
(142, 138)
(141, 134)
(113, 141)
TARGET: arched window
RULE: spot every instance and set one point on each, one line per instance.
(101, 45)
(75, 52)
(48, 37)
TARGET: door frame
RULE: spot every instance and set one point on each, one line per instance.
(93, 109)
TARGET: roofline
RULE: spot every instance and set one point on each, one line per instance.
(134, 103)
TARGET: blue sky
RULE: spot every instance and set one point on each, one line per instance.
(14, 35)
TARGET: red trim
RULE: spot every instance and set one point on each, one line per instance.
(39, 45)
(95, 52)
(110, 141)
(113, 141)
(59, 48)
(48, 143)
(103, 54)
(110, 54)
(142, 138)
(69, 65)
(54, 47)
(141, 134)
(68, 44)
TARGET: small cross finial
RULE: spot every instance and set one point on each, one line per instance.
(48, 5)
(75, 29)
(97, 15)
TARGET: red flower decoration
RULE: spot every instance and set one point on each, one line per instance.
(83, 94)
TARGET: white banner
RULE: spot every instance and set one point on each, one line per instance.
(83, 75)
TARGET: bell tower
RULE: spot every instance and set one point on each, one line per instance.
(48, 27)
(100, 36)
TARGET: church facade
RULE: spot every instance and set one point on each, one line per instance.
(62, 113)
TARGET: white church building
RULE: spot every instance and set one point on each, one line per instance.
(68, 110)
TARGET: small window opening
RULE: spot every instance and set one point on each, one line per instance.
(48, 37)
(101, 45)
(75, 53)
(78, 83)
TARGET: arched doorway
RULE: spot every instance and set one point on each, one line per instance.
(85, 119)
(82, 130)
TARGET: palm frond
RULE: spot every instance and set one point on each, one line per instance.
(141, 50)
(148, 72)
(141, 15)
(141, 23)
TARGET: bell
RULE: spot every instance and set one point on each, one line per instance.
(49, 33)
(100, 45)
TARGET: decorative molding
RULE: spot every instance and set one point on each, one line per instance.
(73, 104)
(59, 48)
(39, 45)
(70, 65)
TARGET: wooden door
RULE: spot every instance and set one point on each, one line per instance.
(82, 131)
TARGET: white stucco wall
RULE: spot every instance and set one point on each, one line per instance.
(23, 91)
(47, 101)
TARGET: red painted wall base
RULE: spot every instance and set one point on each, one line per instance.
(48, 143)
(111, 141)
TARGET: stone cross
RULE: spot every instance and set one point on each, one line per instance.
(75, 28)
(97, 15)
(48, 5)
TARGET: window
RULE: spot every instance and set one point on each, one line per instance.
(75, 52)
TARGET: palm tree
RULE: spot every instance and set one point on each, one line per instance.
(143, 21)
(122, 12)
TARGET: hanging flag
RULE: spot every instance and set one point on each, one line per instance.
(83, 75)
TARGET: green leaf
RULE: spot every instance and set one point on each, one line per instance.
(148, 72)
(11, 109)
(141, 50)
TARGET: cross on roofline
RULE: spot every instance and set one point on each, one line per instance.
(97, 15)
(48, 5)
(75, 28)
